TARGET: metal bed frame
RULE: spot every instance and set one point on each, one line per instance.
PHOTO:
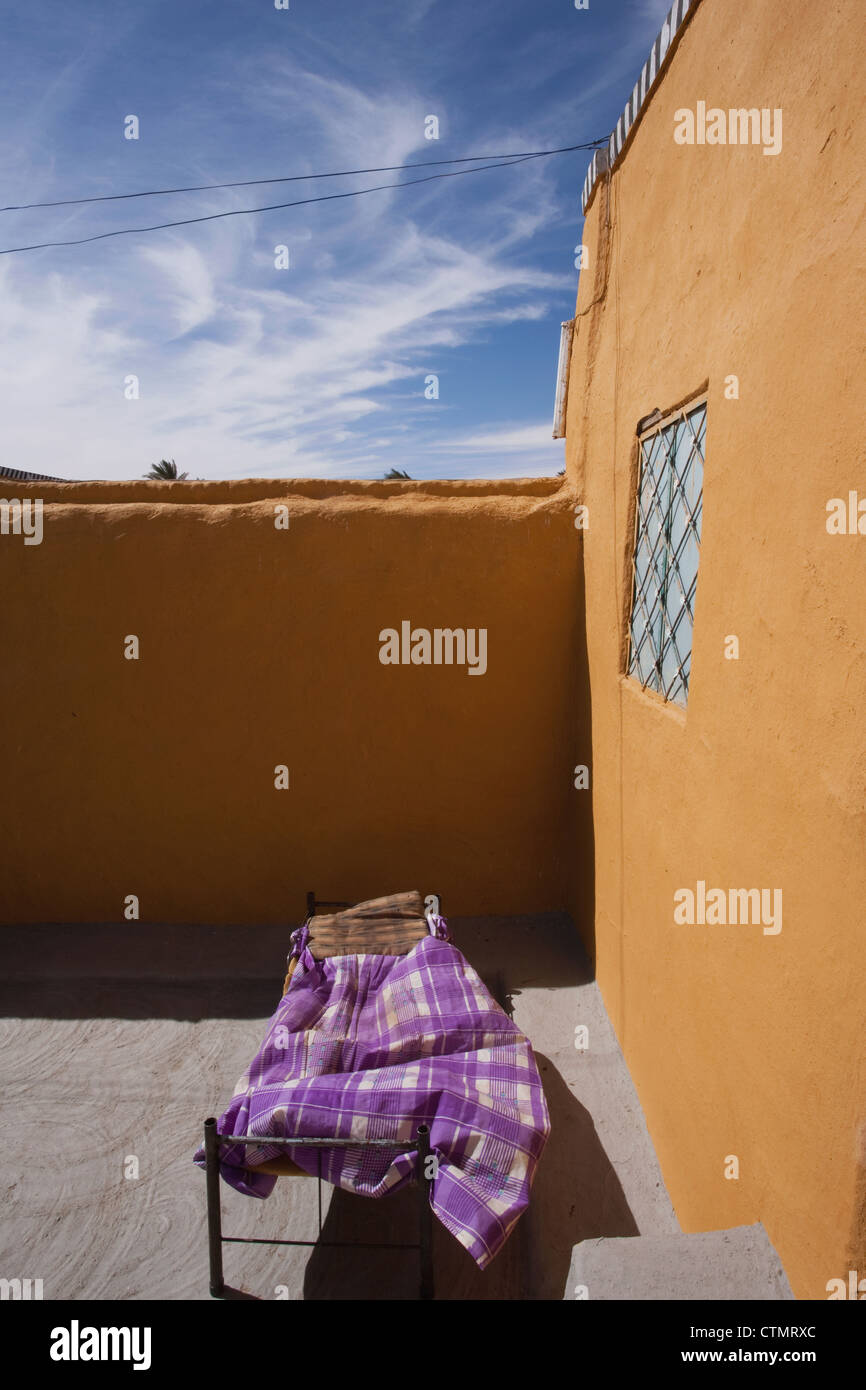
(424, 1176)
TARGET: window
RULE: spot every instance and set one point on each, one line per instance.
(666, 552)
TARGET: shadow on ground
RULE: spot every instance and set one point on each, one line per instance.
(136, 971)
(142, 971)
(576, 1196)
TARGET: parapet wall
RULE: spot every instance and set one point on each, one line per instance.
(257, 608)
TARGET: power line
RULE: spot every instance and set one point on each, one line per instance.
(270, 207)
(298, 178)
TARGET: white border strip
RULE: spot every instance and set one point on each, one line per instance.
(650, 73)
(566, 335)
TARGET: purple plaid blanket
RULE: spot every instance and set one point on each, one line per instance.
(369, 1047)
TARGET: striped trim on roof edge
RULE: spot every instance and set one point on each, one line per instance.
(661, 51)
(19, 476)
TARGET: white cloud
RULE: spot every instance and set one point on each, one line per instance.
(653, 12)
(245, 370)
(262, 392)
(188, 284)
(521, 438)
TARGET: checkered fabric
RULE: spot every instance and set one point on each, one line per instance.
(369, 1047)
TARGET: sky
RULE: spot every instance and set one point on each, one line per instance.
(320, 368)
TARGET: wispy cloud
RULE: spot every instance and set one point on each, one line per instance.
(245, 369)
(652, 12)
(511, 438)
(517, 451)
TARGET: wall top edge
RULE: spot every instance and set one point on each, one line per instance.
(230, 492)
(650, 74)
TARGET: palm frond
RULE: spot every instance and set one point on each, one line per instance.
(166, 471)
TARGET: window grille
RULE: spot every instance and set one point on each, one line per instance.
(666, 553)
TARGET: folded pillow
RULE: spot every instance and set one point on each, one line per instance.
(388, 926)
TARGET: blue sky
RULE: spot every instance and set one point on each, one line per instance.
(317, 370)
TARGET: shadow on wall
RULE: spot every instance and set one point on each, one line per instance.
(583, 823)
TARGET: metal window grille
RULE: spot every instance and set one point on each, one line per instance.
(666, 553)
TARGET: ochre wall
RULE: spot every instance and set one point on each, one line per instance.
(706, 262)
(260, 647)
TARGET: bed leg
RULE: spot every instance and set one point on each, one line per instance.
(214, 1219)
(319, 1154)
(425, 1188)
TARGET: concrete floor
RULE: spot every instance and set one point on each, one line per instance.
(118, 1041)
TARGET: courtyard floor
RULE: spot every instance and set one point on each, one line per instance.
(118, 1041)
